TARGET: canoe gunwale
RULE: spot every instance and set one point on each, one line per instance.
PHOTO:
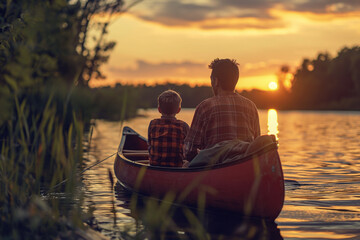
(266, 206)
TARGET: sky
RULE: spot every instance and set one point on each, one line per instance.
(174, 41)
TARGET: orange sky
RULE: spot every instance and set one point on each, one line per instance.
(168, 40)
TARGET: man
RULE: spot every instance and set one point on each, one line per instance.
(226, 116)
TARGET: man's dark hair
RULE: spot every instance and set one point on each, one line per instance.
(226, 71)
(169, 102)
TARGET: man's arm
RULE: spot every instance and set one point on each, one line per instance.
(193, 139)
(189, 152)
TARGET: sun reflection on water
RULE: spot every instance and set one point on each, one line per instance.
(273, 123)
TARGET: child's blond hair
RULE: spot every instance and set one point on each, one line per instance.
(169, 102)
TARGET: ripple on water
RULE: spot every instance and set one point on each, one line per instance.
(320, 158)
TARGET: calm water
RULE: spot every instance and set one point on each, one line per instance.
(320, 154)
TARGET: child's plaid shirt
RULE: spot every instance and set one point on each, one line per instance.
(166, 138)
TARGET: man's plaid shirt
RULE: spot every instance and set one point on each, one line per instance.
(166, 138)
(221, 118)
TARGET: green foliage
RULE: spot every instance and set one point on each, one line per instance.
(6, 105)
(115, 103)
(35, 155)
(38, 44)
(44, 54)
(48, 41)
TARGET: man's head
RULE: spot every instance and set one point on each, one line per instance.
(226, 72)
(169, 102)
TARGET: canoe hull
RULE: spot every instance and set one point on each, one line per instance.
(252, 187)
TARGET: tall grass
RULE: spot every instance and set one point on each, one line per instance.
(38, 151)
(166, 219)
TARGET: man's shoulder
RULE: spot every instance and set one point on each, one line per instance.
(218, 100)
(245, 100)
(209, 104)
(206, 103)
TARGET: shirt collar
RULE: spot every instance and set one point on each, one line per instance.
(223, 94)
(168, 117)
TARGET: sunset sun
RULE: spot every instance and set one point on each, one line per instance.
(273, 86)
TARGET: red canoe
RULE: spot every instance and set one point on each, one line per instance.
(252, 186)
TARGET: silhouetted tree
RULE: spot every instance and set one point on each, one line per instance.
(310, 83)
(342, 73)
(94, 50)
(355, 69)
(327, 82)
(284, 70)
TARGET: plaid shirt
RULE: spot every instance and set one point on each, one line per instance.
(221, 118)
(166, 138)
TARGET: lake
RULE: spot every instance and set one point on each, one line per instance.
(320, 155)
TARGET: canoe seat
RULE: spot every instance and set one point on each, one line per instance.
(136, 154)
(146, 162)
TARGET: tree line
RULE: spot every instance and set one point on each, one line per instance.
(328, 82)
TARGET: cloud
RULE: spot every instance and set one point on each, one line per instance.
(189, 72)
(186, 70)
(147, 70)
(326, 6)
(241, 14)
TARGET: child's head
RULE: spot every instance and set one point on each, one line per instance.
(169, 102)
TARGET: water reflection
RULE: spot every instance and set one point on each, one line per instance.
(273, 123)
(320, 156)
(163, 220)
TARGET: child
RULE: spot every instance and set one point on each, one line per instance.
(166, 134)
